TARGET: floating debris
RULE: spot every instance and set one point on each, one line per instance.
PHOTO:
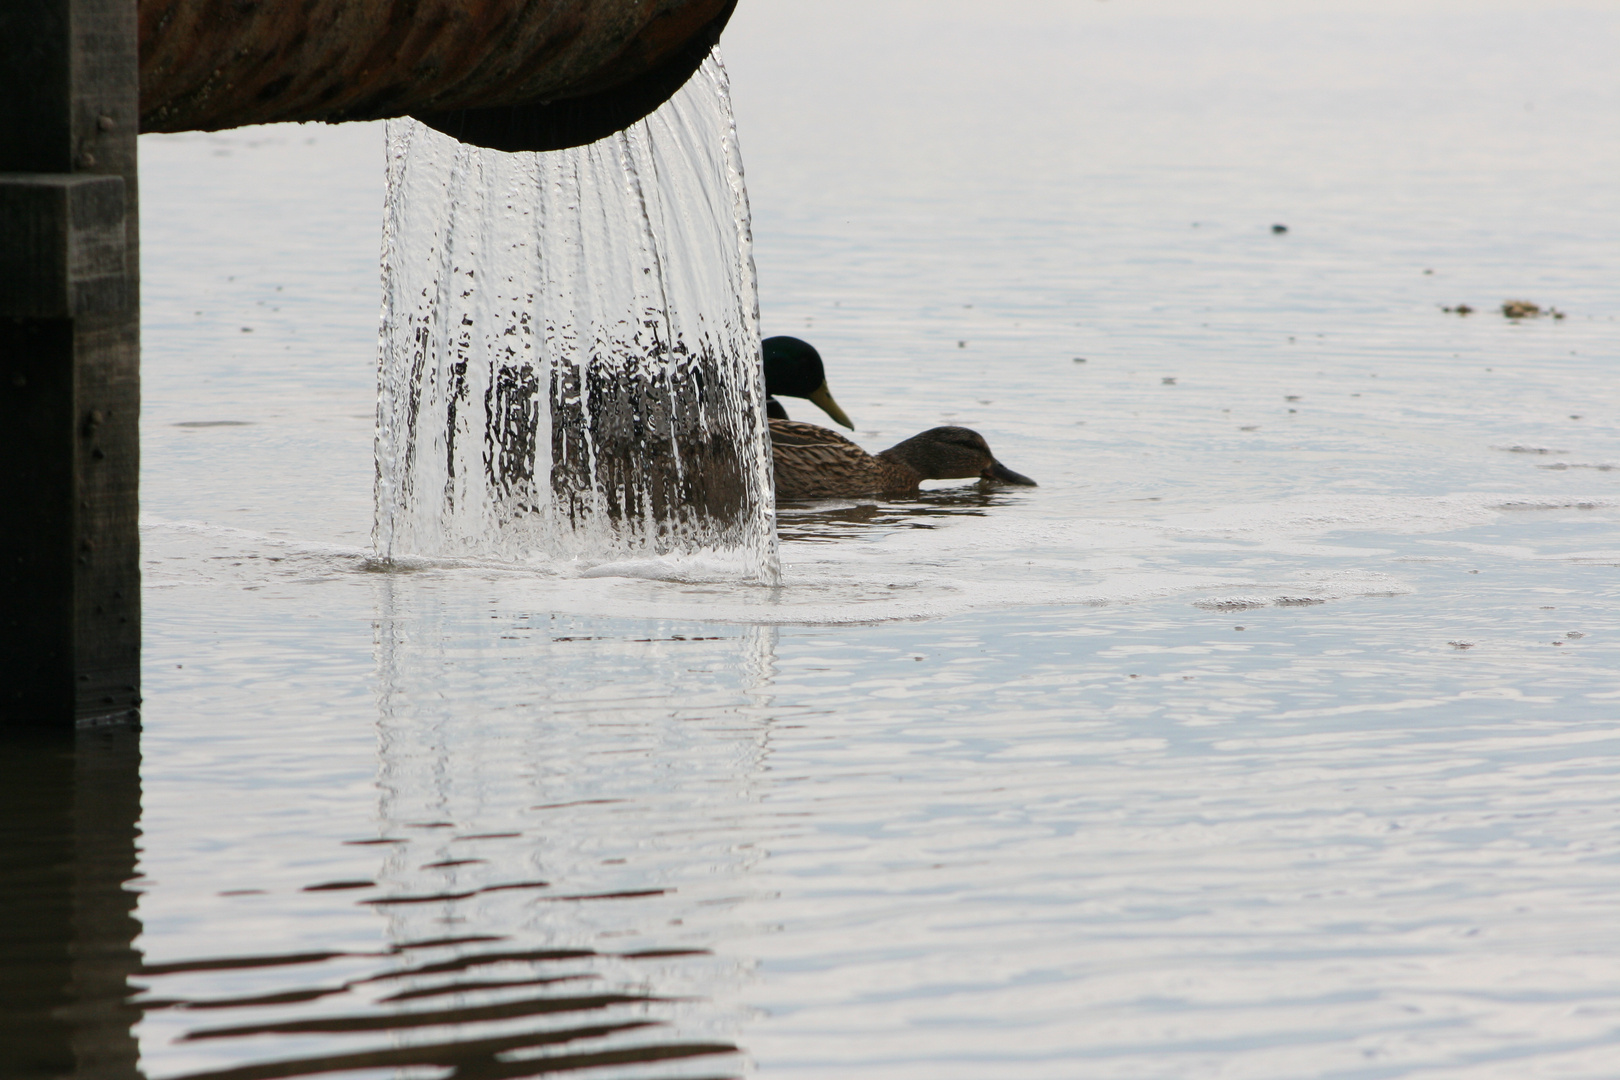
(1079, 359)
(1168, 380)
(1512, 309)
(1461, 644)
(1525, 309)
(1279, 230)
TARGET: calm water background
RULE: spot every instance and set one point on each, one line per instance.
(1273, 736)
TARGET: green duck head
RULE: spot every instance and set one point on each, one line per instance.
(953, 453)
(793, 369)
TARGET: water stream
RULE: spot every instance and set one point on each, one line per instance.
(569, 363)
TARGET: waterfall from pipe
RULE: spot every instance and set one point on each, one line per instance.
(569, 368)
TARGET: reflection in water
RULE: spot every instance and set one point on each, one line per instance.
(558, 1030)
(69, 814)
(536, 876)
(821, 521)
(547, 874)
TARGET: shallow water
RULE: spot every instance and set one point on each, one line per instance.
(1273, 735)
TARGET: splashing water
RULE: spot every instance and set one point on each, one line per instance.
(569, 359)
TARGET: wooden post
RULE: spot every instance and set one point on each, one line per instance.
(70, 601)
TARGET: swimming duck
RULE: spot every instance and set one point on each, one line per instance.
(813, 462)
(793, 369)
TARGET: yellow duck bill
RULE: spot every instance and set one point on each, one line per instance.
(822, 397)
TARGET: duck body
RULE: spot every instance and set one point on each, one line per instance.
(811, 462)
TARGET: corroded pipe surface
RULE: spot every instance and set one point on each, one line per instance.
(578, 121)
(212, 64)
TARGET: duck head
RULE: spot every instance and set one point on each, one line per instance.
(953, 453)
(793, 369)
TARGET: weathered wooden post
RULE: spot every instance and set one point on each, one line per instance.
(70, 601)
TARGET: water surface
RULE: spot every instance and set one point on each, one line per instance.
(1272, 736)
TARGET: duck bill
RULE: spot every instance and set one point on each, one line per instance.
(823, 397)
(998, 471)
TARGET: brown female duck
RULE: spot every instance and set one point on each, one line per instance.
(814, 463)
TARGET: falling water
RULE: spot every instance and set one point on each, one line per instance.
(569, 357)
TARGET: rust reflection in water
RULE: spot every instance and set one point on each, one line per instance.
(570, 1016)
(73, 986)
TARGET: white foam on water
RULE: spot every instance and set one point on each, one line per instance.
(569, 356)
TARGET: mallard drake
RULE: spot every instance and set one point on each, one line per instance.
(793, 369)
(812, 462)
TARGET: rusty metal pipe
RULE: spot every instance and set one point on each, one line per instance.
(517, 74)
